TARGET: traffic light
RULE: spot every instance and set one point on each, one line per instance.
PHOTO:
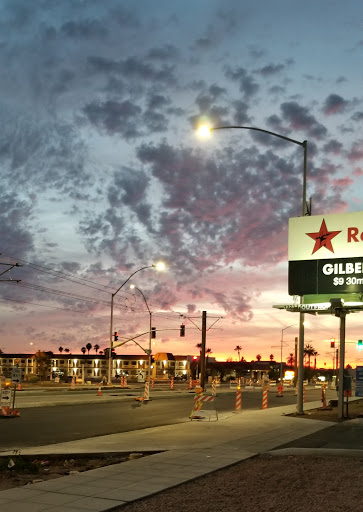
(332, 343)
(195, 358)
(182, 330)
(116, 335)
(360, 344)
(153, 332)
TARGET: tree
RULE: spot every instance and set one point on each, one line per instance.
(83, 350)
(60, 350)
(100, 352)
(272, 357)
(315, 354)
(258, 357)
(291, 359)
(88, 347)
(67, 350)
(96, 348)
(42, 363)
(238, 350)
(309, 352)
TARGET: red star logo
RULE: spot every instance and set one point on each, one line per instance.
(323, 238)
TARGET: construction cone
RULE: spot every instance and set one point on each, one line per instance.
(264, 398)
(152, 383)
(19, 388)
(99, 392)
(73, 383)
(5, 411)
(172, 383)
(238, 402)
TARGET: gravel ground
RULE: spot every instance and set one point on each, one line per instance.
(268, 484)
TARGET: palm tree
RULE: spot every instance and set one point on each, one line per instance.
(96, 348)
(291, 359)
(272, 357)
(60, 350)
(315, 354)
(88, 347)
(83, 350)
(258, 357)
(238, 350)
(309, 351)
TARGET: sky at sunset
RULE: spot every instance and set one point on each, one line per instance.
(102, 172)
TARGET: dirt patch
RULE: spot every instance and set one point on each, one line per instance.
(355, 410)
(18, 470)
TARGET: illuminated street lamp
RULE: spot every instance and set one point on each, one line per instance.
(159, 266)
(205, 131)
(133, 287)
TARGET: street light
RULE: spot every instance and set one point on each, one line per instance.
(133, 287)
(159, 266)
(205, 131)
(282, 342)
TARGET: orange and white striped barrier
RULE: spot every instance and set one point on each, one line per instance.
(19, 388)
(238, 402)
(172, 383)
(73, 383)
(152, 383)
(265, 398)
(199, 400)
(5, 411)
(190, 386)
(146, 392)
(99, 392)
(280, 390)
(304, 395)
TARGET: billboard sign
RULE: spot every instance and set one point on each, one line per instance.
(326, 254)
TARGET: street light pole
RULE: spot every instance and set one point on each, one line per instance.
(282, 342)
(205, 131)
(158, 266)
(150, 318)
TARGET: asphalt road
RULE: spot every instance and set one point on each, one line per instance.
(59, 423)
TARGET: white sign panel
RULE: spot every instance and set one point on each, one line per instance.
(16, 375)
(6, 396)
(326, 236)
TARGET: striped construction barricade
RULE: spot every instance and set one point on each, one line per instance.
(265, 398)
(204, 407)
(238, 401)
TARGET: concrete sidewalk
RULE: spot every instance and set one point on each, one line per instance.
(187, 450)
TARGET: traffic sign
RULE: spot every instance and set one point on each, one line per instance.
(359, 381)
(6, 396)
(16, 375)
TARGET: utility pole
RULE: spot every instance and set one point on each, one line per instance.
(295, 362)
(202, 352)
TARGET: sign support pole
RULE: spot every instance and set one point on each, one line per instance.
(342, 316)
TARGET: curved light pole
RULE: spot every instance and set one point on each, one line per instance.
(158, 266)
(133, 287)
(204, 131)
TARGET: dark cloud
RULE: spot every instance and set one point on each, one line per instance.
(333, 146)
(334, 104)
(115, 117)
(166, 52)
(133, 68)
(357, 116)
(16, 217)
(300, 119)
(270, 70)
(247, 84)
(240, 114)
(84, 29)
